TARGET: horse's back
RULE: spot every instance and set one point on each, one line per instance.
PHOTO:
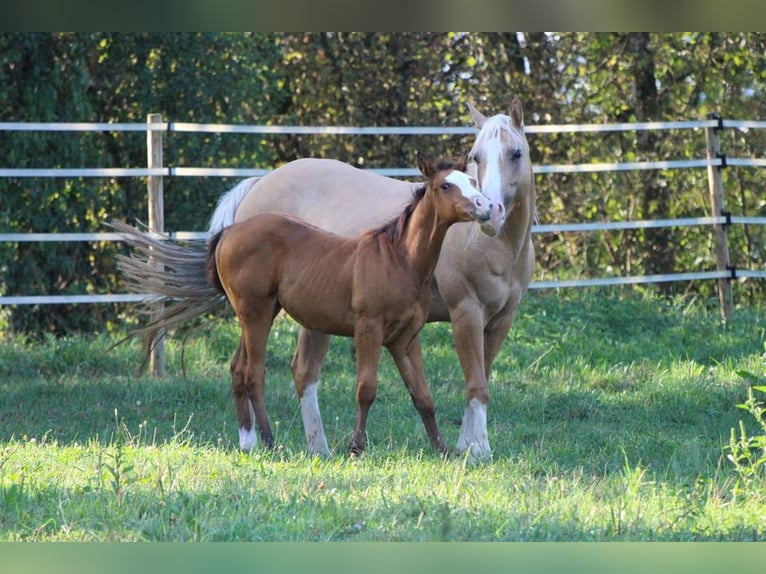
(280, 234)
(329, 194)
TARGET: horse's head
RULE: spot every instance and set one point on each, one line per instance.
(501, 158)
(456, 195)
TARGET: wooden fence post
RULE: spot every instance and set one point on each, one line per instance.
(156, 225)
(715, 184)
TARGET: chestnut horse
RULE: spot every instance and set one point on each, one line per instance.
(479, 280)
(375, 288)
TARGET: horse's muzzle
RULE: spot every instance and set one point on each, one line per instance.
(483, 216)
(494, 220)
(482, 208)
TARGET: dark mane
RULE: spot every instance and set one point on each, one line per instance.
(394, 229)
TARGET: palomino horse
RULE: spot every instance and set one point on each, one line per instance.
(479, 280)
(375, 288)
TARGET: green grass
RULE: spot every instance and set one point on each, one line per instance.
(610, 417)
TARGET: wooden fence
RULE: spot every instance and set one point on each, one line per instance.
(155, 172)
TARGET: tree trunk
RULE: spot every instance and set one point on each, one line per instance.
(656, 198)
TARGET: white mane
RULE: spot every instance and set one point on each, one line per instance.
(491, 133)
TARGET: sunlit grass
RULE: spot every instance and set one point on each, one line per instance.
(608, 421)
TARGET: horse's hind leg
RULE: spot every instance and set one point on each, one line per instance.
(306, 366)
(256, 320)
(245, 413)
(409, 361)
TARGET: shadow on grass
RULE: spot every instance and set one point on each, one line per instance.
(583, 382)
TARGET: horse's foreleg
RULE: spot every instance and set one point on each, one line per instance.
(367, 341)
(468, 334)
(306, 366)
(409, 361)
(495, 334)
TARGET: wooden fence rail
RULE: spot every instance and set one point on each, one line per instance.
(155, 172)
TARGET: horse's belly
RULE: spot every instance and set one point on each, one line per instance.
(318, 316)
(317, 302)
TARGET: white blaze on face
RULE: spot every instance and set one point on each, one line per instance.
(467, 186)
(494, 150)
(492, 180)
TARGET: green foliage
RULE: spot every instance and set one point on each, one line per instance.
(105, 77)
(748, 452)
(380, 79)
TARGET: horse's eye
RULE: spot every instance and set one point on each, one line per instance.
(516, 154)
(445, 187)
(476, 158)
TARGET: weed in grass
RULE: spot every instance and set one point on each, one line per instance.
(748, 452)
(119, 470)
(627, 507)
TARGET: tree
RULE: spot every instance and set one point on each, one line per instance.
(71, 77)
(605, 78)
(375, 79)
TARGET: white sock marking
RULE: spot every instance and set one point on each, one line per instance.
(247, 438)
(473, 432)
(312, 420)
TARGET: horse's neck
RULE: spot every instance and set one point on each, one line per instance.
(423, 238)
(517, 230)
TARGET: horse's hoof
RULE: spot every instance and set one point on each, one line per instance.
(476, 455)
(319, 453)
(355, 450)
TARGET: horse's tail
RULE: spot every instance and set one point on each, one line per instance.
(168, 272)
(223, 215)
(211, 268)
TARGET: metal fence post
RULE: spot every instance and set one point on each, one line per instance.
(157, 225)
(715, 184)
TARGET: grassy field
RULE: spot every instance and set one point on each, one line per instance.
(610, 419)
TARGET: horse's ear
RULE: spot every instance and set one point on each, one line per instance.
(477, 117)
(425, 166)
(516, 113)
(462, 162)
